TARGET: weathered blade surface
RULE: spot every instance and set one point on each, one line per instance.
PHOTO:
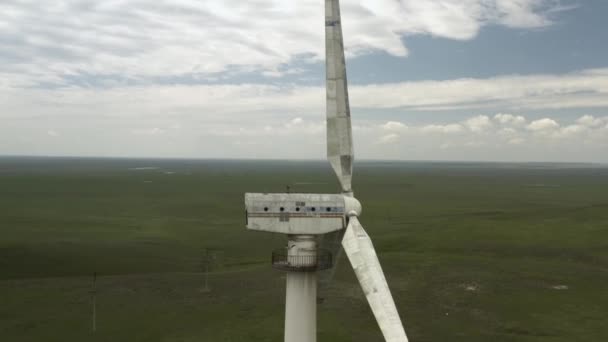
(333, 243)
(339, 131)
(360, 251)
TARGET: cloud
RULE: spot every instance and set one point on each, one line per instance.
(269, 103)
(394, 126)
(52, 133)
(541, 125)
(521, 13)
(543, 129)
(582, 89)
(572, 130)
(591, 121)
(388, 138)
(516, 141)
(449, 128)
(479, 123)
(509, 119)
(294, 122)
(507, 131)
(195, 115)
(586, 124)
(546, 139)
(295, 127)
(117, 42)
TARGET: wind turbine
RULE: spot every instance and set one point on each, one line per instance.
(333, 217)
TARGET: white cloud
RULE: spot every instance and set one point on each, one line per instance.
(547, 139)
(394, 126)
(52, 133)
(388, 138)
(510, 119)
(294, 122)
(516, 141)
(295, 127)
(572, 130)
(520, 13)
(583, 89)
(591, 121)
(507, 131)
(449, 128)
(167, 38)
(541, 125)
(479, 123)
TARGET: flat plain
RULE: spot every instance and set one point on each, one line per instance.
(472, 251)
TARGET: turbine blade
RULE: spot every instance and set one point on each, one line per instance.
(339, 132)
(360, 251)
(331, 242)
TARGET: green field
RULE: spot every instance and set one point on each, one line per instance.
(472, 251)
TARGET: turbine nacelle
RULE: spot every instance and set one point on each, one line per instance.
(299, 214)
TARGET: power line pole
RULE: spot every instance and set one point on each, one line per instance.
(206, 266)
(206, 289)
(94, 295)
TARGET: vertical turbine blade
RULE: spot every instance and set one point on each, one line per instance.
(339, 131)
(360, 251)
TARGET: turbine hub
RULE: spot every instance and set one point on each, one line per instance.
(352, 207)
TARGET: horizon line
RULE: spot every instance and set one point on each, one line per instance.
(299, 160)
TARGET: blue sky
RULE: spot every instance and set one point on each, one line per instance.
(495, 80)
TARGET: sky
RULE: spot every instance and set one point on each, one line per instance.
(466, 80)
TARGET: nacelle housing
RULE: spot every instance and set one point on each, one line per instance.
(297, 213)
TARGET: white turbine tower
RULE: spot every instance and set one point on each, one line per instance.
(304, 217)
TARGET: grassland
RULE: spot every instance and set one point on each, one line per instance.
(472, 252)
